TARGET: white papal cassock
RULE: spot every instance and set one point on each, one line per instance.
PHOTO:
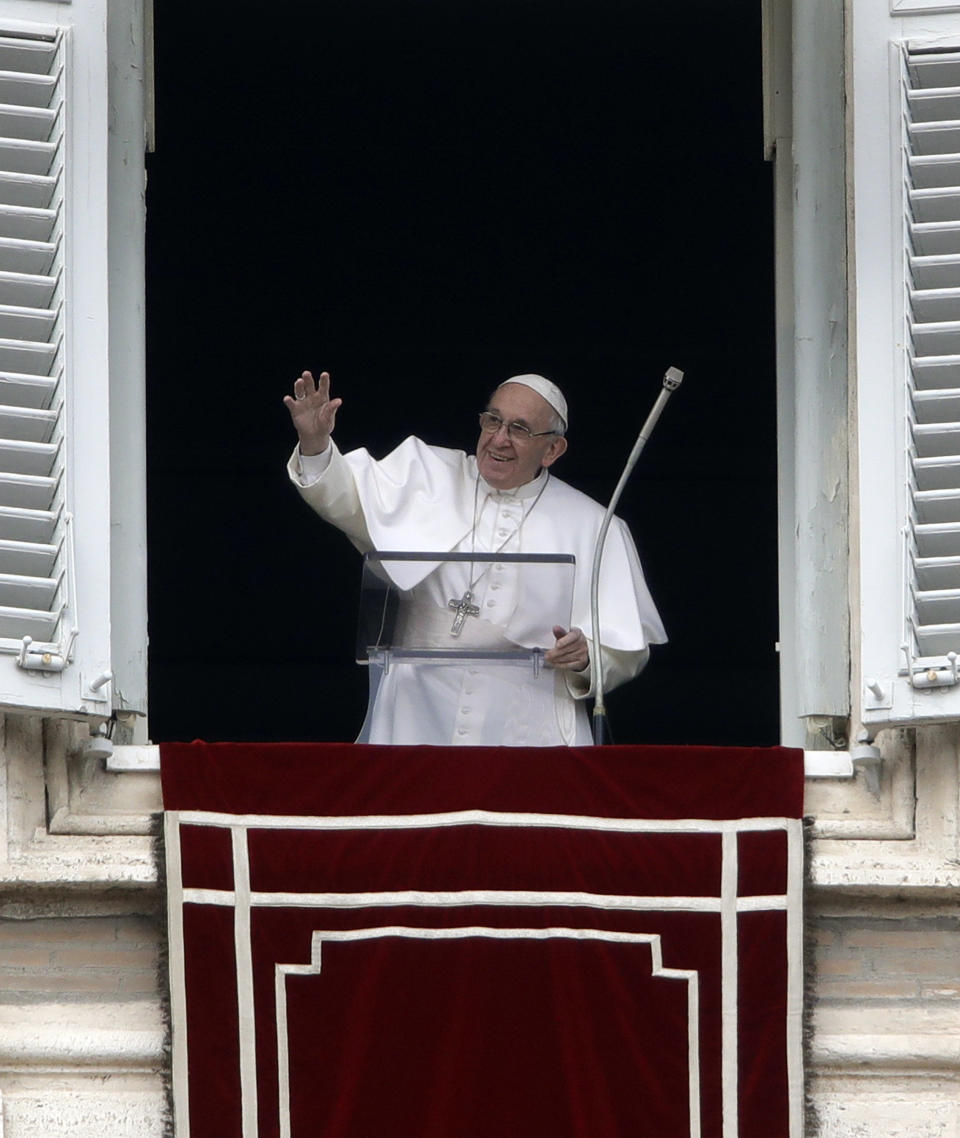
(421, 498)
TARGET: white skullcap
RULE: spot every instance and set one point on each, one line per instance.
(544, 388)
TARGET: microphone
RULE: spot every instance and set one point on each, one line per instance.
(671, 381)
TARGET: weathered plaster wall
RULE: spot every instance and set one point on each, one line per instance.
(82, 1032)
(884, 944)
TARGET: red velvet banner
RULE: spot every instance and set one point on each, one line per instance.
(389, 941)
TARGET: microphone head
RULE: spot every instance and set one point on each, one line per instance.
(673, 378)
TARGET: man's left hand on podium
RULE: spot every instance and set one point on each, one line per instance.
(570, 651)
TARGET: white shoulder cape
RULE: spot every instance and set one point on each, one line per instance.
(421, 498)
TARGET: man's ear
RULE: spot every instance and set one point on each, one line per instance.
(556, 448)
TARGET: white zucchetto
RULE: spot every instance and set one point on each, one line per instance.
(544, 388)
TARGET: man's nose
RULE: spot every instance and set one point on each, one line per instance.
(502, 434)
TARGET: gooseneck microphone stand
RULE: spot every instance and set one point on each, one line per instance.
(671, 381)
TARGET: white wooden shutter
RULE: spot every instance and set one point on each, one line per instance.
(931, 91)
(906, 175)
(34, 551)
(58, 256)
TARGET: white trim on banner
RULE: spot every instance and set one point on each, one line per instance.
(727, 904)
(244, 951)
(795, 978)
(177, 967)
(481, 818)
(472, 932)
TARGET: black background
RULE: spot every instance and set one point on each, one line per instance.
(425, 197)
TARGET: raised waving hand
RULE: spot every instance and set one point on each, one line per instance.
(313, 412)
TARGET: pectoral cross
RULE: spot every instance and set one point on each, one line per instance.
(463, 608)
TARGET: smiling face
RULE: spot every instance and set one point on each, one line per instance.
(507, 463)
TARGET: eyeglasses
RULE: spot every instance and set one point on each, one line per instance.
(518, 432)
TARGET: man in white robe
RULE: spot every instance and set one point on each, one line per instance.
(503, 500)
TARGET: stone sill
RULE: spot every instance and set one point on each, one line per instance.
(146, 757)
(915, 1054)
(57, 1050)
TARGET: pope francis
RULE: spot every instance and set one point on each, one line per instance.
(505, 499)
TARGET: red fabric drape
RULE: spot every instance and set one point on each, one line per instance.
(580, 943)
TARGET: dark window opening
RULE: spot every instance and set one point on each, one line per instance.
(426, 198)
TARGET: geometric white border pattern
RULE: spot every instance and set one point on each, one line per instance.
(473, 931)
(727, 904)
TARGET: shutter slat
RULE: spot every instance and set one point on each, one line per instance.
(24, 256)
(30, 357)
(35, 527)
(28, 191)
(934, 372)
(23, 223)
(15, 624)
(927, 272)
(935, 406)
(28, 558)
(20, 88)
(935, 138)
(938, 540)
(935, 71)
(937, 505)
(33, 391)
(27, 424)
(935, 171)
(938, 204)
(27, 592)
(34, 56)
(27, 491)
(25, 290)
(936, 305)
(937, 572)
(28, 323)
(938, 473)
(34, 459)
(936, 338)
(937, 440)
(26, 157)
(934, 104)
(33, 123)
(936, 606)
(936, 237)
(938, 639)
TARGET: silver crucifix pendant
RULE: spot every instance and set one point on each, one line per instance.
(463, 608)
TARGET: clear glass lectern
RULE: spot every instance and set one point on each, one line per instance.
(484, 611)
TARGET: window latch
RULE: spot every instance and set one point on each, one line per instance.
(46, 657)
(933, 672)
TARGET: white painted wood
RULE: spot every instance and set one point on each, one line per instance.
(805, 134)
(820, 591)
(906, 239)
(71, 357)
(128, 443)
